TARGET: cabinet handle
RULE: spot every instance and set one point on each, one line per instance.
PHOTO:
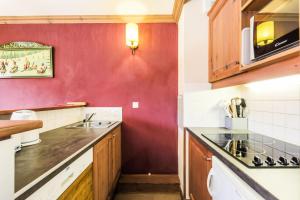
(232, 64)
(208, 159)
(209, 177)
(67, 179)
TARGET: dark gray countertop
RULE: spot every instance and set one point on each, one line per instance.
(271, 184)
(59, 148)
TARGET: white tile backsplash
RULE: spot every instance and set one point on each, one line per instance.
(104, 113)
(275, 112)
(53, 119)
(202, 108)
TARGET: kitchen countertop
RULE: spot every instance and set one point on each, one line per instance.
(36, 165)
(271, 184)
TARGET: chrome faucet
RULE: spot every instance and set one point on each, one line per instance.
(88, 117)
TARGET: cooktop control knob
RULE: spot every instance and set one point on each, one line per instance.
(270, 161)
(257, 161)
(295, 161)
(283, 161)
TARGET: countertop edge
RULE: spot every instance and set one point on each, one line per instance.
(251, 182)
(30, 188)
(10, 127)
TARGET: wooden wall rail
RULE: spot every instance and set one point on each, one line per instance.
(57, 107)
(64, 19)
(72, 19)
(10, 127)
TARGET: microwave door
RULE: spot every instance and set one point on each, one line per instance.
(274, 29)
(252, 56)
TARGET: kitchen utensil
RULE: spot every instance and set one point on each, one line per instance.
(225, 105)
(244, 105)
(233, 108)
(238, 107)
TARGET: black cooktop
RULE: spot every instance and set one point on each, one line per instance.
(258, 151)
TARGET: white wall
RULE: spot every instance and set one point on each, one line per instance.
(180, 96)
(202, 108)
(200, 104)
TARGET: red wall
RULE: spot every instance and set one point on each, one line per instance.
(93, 64)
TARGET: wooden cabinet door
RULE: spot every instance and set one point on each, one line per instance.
(224, 39)
(116, 162)
(199, 166)
(101, 169)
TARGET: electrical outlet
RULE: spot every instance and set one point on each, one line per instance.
(135, 105)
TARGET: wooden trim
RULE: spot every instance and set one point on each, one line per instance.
(10, 127)
(254, 5)
(152, 179)
(57, 107)
(177, 9)
(280, 69)
(60, 19)
(275, 58)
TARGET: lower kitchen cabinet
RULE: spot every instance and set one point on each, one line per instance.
(82, 187)
(116, 155)
(107, 165)
(101, 168)
(199, 166)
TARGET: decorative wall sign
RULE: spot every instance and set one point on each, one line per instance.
(25, 60)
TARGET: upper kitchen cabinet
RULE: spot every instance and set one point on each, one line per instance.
(253, 40)
(224, 39)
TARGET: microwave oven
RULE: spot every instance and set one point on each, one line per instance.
(274, 28)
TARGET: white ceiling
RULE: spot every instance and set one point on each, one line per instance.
(85, 7)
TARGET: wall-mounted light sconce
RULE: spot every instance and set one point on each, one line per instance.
(132, 36)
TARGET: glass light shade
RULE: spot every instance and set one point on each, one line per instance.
(265, 33)
(132, 35)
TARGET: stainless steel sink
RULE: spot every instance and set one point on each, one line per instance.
(92, 124)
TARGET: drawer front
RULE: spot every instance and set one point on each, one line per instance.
(56, 186)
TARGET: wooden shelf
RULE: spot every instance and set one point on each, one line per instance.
(254, 5)
(57, 107)
(284, 68)
(285, 55)
(10, 127)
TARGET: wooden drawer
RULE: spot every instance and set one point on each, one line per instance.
(57, 185)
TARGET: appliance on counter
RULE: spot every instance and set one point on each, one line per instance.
(257, 151)
(224, 184)
(274, 28)
(29, 137)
